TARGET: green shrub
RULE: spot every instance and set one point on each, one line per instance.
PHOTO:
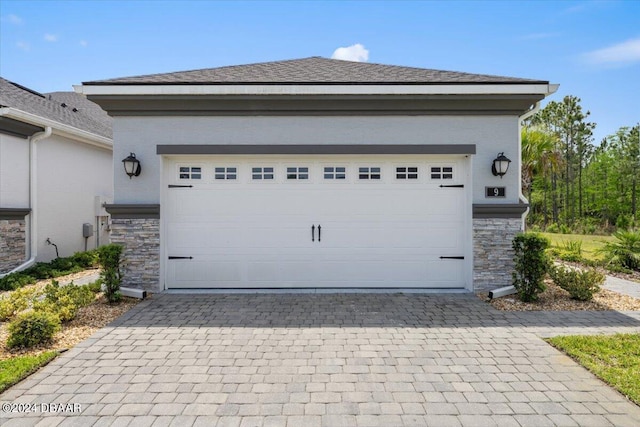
(86, 259)
(571, 251)
(553, 228)
(64, 301)
(109, 258)
(581, 284)
(17, 301)
(16, 280)
(531, 264)
(625, 251)
(32, 328)
(49, 270)
(95, 287)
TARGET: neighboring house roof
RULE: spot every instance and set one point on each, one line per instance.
(67, 108)
(314, 70)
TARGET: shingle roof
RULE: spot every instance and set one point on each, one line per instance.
(314, 70)
(87, 116)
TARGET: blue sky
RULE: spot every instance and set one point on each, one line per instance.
(591, 48)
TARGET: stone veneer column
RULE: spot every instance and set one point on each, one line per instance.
(137, 228)
(494, 227)
(13, 243)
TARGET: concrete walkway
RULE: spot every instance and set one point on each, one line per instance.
(622, 286)
(325, 360)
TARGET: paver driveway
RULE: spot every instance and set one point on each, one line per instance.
(327, 360)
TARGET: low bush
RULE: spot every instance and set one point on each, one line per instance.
(17, 301)
(64, 301)
(32, 328)
(16, 281)
(109, 258)
(581, 284)
(625, 251)
(531, 264)
(95, 287)
(571, 251)
(49, 270)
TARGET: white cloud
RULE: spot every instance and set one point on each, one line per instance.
(15, 19)
(619, 54)
(84, 43)
(51, 38)
(355, 52)
(24, 46)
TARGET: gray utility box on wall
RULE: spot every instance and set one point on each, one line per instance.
(87, 230)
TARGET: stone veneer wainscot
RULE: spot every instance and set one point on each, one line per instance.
(141, 257)
(493, 252)
(137, 228)
(12, 243)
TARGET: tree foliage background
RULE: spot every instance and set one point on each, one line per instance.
(572, 183)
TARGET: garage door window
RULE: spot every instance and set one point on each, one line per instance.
(265, 173)
(190, 172)
(369, 173)
(297, 173)
(441, 172)
(407, 172)
(335, 172)
(226, 173)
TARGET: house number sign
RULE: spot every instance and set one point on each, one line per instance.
(495, 192)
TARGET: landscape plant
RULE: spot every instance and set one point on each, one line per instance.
(581, 284)
(531, 264)
(625, 251)
(48, 270)
(15, 302)
(32, 328)
(64, 301)
(109, 258)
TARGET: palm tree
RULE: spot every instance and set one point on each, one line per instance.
(540, 154)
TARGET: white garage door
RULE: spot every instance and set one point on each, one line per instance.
(316, 222)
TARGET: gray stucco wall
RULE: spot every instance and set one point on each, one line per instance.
(490, 134)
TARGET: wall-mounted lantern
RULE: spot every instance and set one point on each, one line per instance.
(131, 165)
(500, 165)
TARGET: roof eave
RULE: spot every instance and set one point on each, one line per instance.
(511, 88)
(58, 128)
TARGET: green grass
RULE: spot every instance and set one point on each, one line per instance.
(614, 358)
(590, 244)
(17, 368)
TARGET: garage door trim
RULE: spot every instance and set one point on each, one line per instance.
(167, 149)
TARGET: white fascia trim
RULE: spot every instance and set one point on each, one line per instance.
(488, 89)
(59, 128)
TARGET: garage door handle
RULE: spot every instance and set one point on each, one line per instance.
(180, 257)
(451, 257)
(319, 230)
(313, 233)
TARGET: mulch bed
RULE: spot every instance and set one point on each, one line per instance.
(88, 320)
(556, 299)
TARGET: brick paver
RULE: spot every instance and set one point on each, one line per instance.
(325, 360)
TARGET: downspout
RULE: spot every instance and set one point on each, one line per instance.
(33, 200)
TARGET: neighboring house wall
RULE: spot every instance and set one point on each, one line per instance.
(14, 172)
(14, 194)
(490, 134)
(70, 175)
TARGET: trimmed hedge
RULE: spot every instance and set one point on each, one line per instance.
(531, 264)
